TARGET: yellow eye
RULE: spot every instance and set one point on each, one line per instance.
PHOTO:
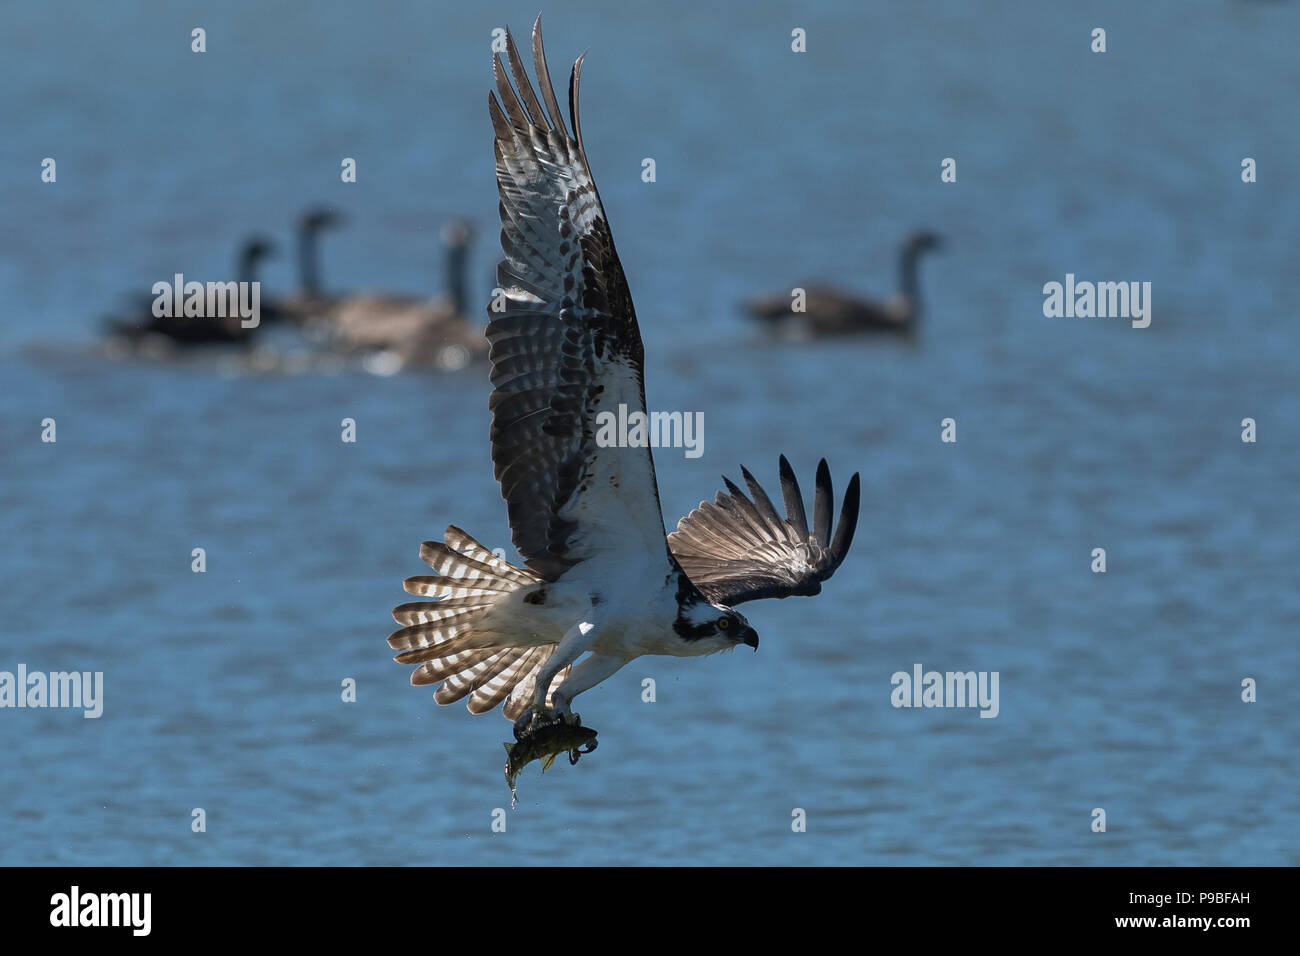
(724, 623)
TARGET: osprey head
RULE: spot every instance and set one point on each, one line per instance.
(711, 627)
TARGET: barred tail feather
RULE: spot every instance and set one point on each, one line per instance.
(522, 695)
(494, 690)
(440, 636)
(430, 672)
(435, 586)
(465, 682)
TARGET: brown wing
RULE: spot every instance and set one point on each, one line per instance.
(735, 549)
(566, 345)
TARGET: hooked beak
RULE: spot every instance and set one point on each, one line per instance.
(749, 636)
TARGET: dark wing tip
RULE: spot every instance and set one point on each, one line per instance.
(502, 79)
(763, 503)
(575, 78)
(823, 500)
(794, 510)
(544, 79)
(848, 522)
(532, 108)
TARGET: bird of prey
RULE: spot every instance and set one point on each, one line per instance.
(600, 576)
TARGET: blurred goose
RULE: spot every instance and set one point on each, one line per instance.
(140, 325)
(403, 331)
(311, 302)
(831, 311)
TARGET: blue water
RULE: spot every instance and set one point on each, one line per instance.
(1119, 691)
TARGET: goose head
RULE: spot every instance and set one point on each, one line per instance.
(922, 241)
(457, 233)
(255, 249)
(322, 217)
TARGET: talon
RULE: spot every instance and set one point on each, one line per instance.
(521, 726)
(536, 719)
(527, 723)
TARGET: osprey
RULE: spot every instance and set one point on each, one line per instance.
(600, 577)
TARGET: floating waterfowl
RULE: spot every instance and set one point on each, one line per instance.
(397, 331)
(830, 311)
(139, 326)
(311, 302)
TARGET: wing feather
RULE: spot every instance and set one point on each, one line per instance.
(823, 499)
(793, 497)
(564, 341)
(735, 549)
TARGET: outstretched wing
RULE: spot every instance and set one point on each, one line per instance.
(734, 549)
(567, 346)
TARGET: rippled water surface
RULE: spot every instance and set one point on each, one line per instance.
(1120, 691)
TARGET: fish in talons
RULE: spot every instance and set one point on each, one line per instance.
(544, 735)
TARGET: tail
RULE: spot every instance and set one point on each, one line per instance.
(445, 638)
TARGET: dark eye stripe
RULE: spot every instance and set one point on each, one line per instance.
(693, 632)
